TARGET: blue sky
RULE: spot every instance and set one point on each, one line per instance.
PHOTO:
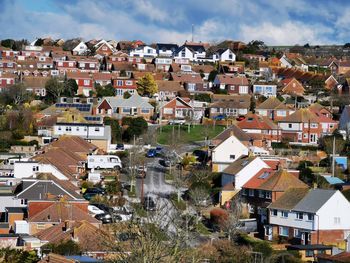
(276, 22)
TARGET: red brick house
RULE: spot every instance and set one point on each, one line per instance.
(124, 84)
(233, 85)
(177, 108)
(292, 87)
(274, 109)
(66, 65)
(104, 49)
(84, 81)
(7, 79)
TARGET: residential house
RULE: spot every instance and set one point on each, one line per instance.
(266, 90)
(102, 78)
(84, 81)
(143, 52)
(339, 67)
(331, 83)
(292, 87)
(118, 107)
(229, 105)
(285, 62)
(88, 64)
(305, 126)
(166, 50)
(36, 84)
(226, 152)
(125, 84)
(66, 66)
(177, 108)
(7, 79)
(80, 49)
(163, 63)
(193, 82)
(316, 216)
(103, 49)
(233, 85)
(274, 109)
(46, 214)
(168, 90)
(191, 51)
(261, 126)
(224, 55)
(265, 187)
(234, 130)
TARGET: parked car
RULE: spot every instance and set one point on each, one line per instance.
(149, 204)
(95, 210)
(159, 150)
(120, 147)
(95, 190)
(177, 121)
(88, 196)
(240, 118)
(151, 153)
(125, 236)
(105, 218)
(103, 207)
(201, 156)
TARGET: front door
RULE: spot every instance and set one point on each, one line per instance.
(268, 232)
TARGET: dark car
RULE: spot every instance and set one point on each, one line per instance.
(95, 190)
(159, 150)
(104, 207)
(201, 156)
(151, 153)
(126, 186)
(120, 146)
(88, 196)
(149, 204)
(104, 218)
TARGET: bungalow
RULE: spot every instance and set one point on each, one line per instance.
(274, 109)
(118, 107)
(233, 85)
(309, 217)
(266, 90)
(192, 52)
(177, 108)
(102, 78)
(229, 105)
(168, 90)
(80, 49)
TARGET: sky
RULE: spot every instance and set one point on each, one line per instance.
(276, 22)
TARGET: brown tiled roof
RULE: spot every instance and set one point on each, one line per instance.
(343, 257)
(270, 104)
(257, 179)
(232, 80)
(55, 258)
(281, 181)
(75, 144)
(192, 78)
(232, 130)
(254, 121)
(166, 85)
(301, 116)
(289, 199)
(35, 82)
(78, 75)
(204, 68)
(102, 76)
(237, 165)
(61, 211)
(90, 238)
(231, 101)
(119, 66)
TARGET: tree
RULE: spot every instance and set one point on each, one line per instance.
(7, 43)
(327, 143)
(16, 94)
(306, 174)
(54, 88)
(106, 91)
(65, 248)
(17, 256)
(70, 88)
(254, 46)
(212, 75)
(203, 97)
(307, 45)
(346, 45)
(147, 85)
(136, 127)
(252, 104)
(126, 95)
(116, 129)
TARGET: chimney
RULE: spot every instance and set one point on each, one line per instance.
(66, 226)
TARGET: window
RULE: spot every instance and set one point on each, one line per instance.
(119, 83)
(310, 217)
(232, 87)
(68, 128)
(309, 253)
(313, 125)
(128, 82)
(300, 216)
(285, 214)
(144, 110)
(86, 82)
(59, 128)
(283, 231)
(244, 192)
(92, 65)
(40, 226)
(268, 195)
(297, 233)
(183, 53)
(35, 168)
(232, 156)
(191, 86)
(289, 125)
(126, 110)
(77, 129)
(251, 192)
(336, 220)
(274, 212)
(70, 64)
(97, 129)
(306, 125)
(82, 65)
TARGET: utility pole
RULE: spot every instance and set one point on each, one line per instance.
(192, 33)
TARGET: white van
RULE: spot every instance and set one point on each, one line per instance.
(104, 162)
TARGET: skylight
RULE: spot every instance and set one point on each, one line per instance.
(264, 175)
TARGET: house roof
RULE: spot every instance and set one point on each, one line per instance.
(187, 78)
(75, 144)
(259, 178)
(280, 181)
(314, 200)
(271, 103)
(232, 80)
(55, 258)
(233, 130)
(35, 82)
(165, 85)
(90, 238)
(134, 101)
(343, 257)
(61, 211)
(289, 199)
(254, 121)
(231, 101)
(167, 46)
(301, 116)
(238, 165)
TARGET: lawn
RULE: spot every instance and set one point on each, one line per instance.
(179, 133)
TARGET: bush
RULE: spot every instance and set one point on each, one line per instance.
(218, 216)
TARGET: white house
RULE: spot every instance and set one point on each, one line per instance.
(27, 169)
(224, 55)
(143, 51)
(285, 62)
(227, 152)
(242, 170)
(80, 49)
(184, 53)
(266, 90)
(166, 50)
(315, 216)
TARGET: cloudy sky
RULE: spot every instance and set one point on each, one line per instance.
(276, 22)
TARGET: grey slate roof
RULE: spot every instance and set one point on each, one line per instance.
(314, 200)
(134, 101)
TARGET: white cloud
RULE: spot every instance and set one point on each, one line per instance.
(288, 33)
